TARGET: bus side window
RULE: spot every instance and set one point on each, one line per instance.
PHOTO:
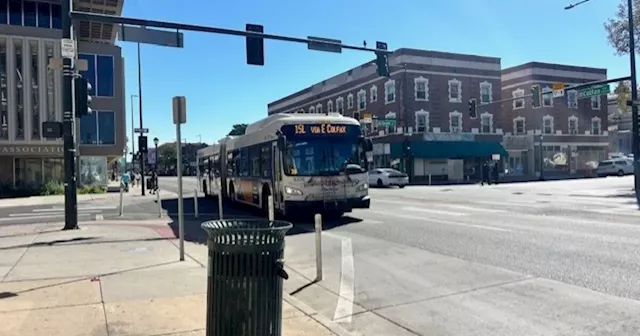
(265, 160)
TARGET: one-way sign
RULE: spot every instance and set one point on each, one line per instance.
(141, 130)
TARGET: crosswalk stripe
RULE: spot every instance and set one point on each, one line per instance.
(27, 214)
(433, 211)
(39, 216)
(53, 209)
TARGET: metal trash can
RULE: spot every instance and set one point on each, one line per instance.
(245, 272)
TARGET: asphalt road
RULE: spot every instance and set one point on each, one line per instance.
(541, 258)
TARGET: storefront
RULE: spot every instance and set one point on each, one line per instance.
(30, 164)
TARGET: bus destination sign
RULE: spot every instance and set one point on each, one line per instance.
(319, 129)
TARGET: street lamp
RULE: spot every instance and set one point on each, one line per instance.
(635, 142)
(155, 143)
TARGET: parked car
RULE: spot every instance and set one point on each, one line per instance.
(384, 177)
(619, 166)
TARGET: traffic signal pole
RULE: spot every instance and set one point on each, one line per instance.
(142, 154)
(635, 128)
(70, 188)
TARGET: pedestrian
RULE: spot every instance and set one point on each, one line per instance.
(125, 179)
(485, 173)
(495, 172)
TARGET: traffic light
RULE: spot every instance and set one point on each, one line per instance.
(382, 61)
(82, 96)
(406, 146)
(142, 144)
(255, 45)
(473, 111)
(536, 96)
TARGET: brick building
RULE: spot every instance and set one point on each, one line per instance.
(567, 134)
(426, 102)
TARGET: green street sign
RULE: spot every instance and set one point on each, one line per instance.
(599, 90)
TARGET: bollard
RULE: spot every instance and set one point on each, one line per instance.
(220, 204)
(318, 225)
(159, 203)
(271, 210)
(429, 179)
(121, 191)
(195, 203)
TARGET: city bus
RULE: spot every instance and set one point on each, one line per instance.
(309, 163)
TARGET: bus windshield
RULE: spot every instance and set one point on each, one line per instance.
(320, 156)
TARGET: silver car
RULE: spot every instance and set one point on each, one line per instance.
(619, 167)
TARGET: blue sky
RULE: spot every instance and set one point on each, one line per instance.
(222, 90)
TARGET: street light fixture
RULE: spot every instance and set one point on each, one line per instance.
(155, 143)
(635, 141)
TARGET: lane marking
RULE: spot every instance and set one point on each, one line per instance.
(39, 217)
(433, 211)
(470, 208)
(344, 308)
(79, 208)
(439, 221)
(40, 214)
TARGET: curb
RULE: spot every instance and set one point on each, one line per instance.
(334, 327)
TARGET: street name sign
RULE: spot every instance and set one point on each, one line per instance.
(141, 130)
(594, 91)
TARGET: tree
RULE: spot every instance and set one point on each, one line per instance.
(623, 92)
(618, 28)
(238, 129)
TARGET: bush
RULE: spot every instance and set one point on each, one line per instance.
(52, 188)
(92, 190)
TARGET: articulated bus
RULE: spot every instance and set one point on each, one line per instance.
(309, 163)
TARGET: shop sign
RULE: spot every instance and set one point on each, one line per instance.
(30, 150)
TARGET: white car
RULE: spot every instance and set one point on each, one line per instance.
(384, 177)
(619, 166)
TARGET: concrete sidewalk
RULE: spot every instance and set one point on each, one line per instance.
(112, 278)
(133, 195)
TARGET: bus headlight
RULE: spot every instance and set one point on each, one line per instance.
(362, 187)
(292, 191)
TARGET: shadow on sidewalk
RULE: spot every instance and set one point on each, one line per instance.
(6, 295)
(208, 210)
(80, 241)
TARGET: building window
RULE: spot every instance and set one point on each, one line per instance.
(486, 122)
(421, 89)
(572, 99)
(596, 126)
(340, 105)
(455, 122)
(56, 16)
(595, 103)
(573, 125)
(312, 109)
(15, 12)
(319, 108)
(98, 128)
(519, 126)
(547, 124)
(17, 48)
(422, 121)
(100, 74)
(50, 104)
(455, 91)
(4, 107)
(362, 100)
(373, 93)
(547, 97)
(4, 11)
(518, 103)
(390, 91)
(44, 15)
(35, 91)
(330, 106)
(486, 92)
(30, 16)
(350, 100)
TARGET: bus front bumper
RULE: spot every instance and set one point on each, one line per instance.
(338, 205)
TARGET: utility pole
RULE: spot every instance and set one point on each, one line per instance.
(133, 135)
(70, 197)
(634, 103)
(142, 155)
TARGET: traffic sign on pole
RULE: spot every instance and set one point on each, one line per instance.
(558, 90)
(141, 130)
(68, 48)
(594, 91)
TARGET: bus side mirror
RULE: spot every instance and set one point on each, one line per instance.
(282, 142)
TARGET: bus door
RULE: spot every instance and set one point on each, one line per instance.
(276, 175)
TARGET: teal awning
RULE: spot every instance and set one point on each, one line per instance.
(451, 149)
